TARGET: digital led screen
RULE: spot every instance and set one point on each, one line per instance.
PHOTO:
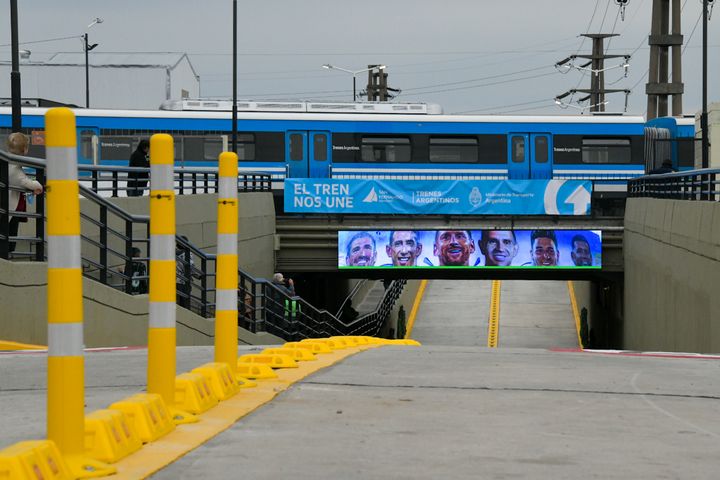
(470, 249)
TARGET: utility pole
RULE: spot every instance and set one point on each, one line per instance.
(596, 65)
(15, 93)
(659, 87)
(377, 87)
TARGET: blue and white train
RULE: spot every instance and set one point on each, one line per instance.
(383, 140)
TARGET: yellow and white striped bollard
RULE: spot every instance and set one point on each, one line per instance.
(66, 369)
(226, 265)
(161, 328)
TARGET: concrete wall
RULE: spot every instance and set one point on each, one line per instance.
(672, 275)
(111, 318)
(197, 218)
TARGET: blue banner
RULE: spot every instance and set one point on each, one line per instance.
(445, 197)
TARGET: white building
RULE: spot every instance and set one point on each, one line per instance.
(713, 138)
(117, 80)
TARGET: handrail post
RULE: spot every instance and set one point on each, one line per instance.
(40, 220)
(103, 245)
(5, 208)
(114, 184)
(203, 287)
(226, 262)
(66, 369)
(128, 255)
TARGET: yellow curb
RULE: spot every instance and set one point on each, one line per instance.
(160, 453)
(415, 308)
(8, 345)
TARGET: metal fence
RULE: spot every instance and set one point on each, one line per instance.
(115, 245)
(701, 184)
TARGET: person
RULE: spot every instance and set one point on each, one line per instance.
(544, 249)
(285, 286)
(667, 167)
(137, 181)
(580, 253)
(403, 248)
(453, 247)
(134, 269)
(361, 250)
(499, 247)
(279, 307)
(18, 144)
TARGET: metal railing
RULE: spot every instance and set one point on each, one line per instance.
(188, 181)
(114, 251)
(701, 184)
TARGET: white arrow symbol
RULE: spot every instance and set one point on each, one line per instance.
(580, 199)
(550, 199)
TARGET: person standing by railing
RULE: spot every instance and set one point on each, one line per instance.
(17, 143)
(137, 181)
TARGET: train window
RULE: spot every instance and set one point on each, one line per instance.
(212, 149)
(606, 150)
(518, 149)
(453, 150)
(296, 147)
(246, 146)
(385, 149)
(320, 147)
(541, 150)
(86, 143)
(193, 149)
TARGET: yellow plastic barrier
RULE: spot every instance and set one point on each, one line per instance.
(273, 361)
(316, 348)
(222, 380)
(343, 342)
(148, 415)
(193, 393)
(33, 460)
(297, 354)
(254, 371)
(245, 383)
(332, 344)
(110, 436)
(402, 341)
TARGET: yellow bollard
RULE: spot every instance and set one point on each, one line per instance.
(161, 331)
(66, 377)
(226, 297)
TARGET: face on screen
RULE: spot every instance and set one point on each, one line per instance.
(361, 251)
(403, 248)
(545, 252)
(453, 247)
(581, 255)
(499, 247)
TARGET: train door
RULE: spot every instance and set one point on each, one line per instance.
(530, 156)
(308, 154)
(88, 152)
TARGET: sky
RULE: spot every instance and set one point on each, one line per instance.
(468, 56)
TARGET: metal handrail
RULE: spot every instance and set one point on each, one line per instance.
(262, 306)
(702, 185)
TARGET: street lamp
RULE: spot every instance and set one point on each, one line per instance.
(353, 72)
(89, 47)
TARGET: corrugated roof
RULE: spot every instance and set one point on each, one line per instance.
(120, 59)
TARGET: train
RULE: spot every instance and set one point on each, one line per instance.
(384, 141)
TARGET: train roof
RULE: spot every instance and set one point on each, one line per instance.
(354, 117)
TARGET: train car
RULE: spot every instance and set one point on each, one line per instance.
(670, 138)
(367, 140)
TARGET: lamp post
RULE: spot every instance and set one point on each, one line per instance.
(89, 47)
(234, 100)
(353, 73)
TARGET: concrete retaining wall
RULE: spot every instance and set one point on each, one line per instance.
(112, 318)
(672, 275)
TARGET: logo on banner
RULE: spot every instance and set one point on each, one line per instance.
(555, 201)
(475, 197)
(371, 197)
